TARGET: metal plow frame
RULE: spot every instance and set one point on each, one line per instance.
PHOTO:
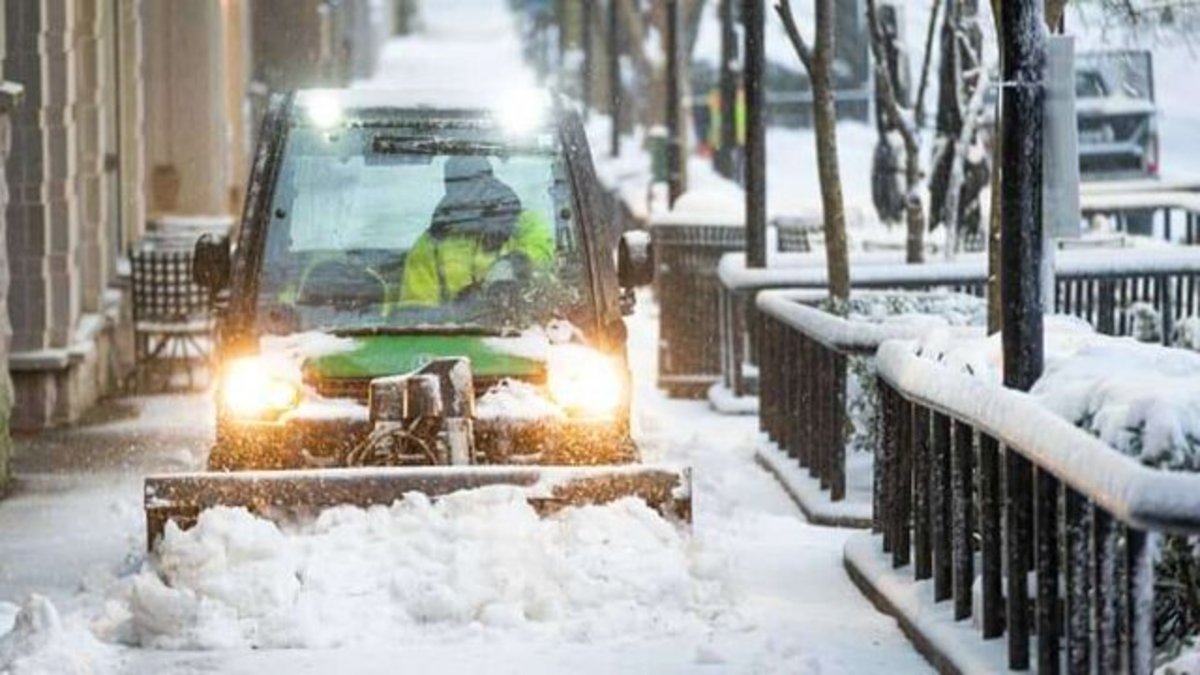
(180, 498)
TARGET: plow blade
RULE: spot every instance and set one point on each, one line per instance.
(180, 498)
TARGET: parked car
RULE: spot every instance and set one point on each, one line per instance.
(1117, 117)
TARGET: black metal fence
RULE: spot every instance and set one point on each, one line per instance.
(1096, 286)
(981, 485)
(804, 353)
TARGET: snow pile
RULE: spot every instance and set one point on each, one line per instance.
(39, 642)
(515, 400)
(1187, 334)
(473, 564)
(308, 345)
(918, 309)
(1142, 399)
(284, 355)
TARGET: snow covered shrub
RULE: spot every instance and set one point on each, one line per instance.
(922, 309)
(1145, 322)
(862, 392)
(1176, 597)
(1187, 334)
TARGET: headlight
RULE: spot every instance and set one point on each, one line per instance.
(252, 389)
(585, 382)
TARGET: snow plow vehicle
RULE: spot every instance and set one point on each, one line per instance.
(420, 297)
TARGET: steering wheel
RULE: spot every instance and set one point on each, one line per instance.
(342, 285)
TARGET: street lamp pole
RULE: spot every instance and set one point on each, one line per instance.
(728, 109)
(585, 85)
(674, 145)
(614, 78)
(756, 146)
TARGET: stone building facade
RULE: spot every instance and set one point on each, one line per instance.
(10, 95)
(133, 110)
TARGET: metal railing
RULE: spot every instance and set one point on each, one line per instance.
(960, 457)
(1096, 286)
(804, 353)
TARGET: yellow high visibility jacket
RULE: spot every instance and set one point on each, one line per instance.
(460, 262)
(714, 117)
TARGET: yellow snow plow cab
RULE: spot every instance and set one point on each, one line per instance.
(420, 298)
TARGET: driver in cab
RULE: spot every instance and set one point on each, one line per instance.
(480, 236)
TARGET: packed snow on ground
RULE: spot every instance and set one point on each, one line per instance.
(38, 641)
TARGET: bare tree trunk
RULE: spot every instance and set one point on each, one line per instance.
(819, 64)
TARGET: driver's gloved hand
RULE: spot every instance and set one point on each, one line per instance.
(508, 269)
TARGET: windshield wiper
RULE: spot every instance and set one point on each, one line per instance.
(423, 329)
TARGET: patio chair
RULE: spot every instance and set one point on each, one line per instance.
(172, 318)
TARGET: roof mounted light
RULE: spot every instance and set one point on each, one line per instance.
(324, 109)
(522, 111)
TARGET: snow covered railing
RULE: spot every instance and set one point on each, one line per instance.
(960, 457)
(1102, 287)
(804, 354)
(1144, 204)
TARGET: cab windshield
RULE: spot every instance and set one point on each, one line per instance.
(397, 230)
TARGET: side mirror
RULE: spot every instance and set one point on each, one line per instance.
(212, 263)
(635, 259)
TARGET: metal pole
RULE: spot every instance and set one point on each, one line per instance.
(585, 85)
(1023, 59)
(728, 132)
(1023, 47)
(614, 78)
(756, 146)
(674, 151)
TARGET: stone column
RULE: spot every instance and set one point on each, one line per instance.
(6, 393)
(187, 142)
(237, 106)
(43, 230)
(130, 93)
(93, 145)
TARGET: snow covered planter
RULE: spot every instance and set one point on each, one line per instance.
(965, 470)
(817, 386)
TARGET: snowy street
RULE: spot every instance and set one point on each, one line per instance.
(511, 261)
(762, 590)
(460, 586)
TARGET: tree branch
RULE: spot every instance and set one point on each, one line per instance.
(887, 88)
(919, 103)
(784, 9)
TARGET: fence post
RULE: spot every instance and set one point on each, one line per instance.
(1046, 531)
(962, 490)
(943, 569)
(1079, 583)
(1104, 609)
(1139, 602)
(990, 531)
